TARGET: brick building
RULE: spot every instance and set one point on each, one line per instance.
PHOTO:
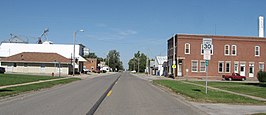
(90, 64)
(243, 55)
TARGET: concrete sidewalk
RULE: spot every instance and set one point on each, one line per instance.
(231, 92)
(82, 76)
(92, 75)
(29, 83)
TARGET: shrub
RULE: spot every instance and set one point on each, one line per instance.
(262, 76)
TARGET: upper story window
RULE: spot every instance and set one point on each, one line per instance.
(187, 48)
(234, 50)
(226, 50)
(202, 50)
(257, 50)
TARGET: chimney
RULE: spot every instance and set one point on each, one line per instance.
(261, 26)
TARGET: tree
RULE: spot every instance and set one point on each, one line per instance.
(113, 60)
(138, 62)
(91, 55)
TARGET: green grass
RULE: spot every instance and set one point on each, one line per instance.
(33, 87)
(10, 79)
(196, 93)
(254, 89)
(259, 114)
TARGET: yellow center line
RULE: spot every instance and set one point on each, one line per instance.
(109, 93)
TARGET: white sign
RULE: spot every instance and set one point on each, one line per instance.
(207, 47)
(207, 55)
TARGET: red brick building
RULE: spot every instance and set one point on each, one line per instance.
(243, 55)
(90, 64)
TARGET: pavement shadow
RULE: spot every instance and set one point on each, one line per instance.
(197, 90)
(257, 84)
(5, 90)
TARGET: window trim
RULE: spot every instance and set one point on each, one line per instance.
(225, 67)
(192, 65)
(188, 48)
(258, 51)
(204, 65)
(228, 50)
(235, 50)
(222, 66)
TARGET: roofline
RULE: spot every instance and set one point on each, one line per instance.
(210, 35)
(218, 35)
(34, 62)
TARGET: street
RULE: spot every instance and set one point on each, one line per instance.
(129, 96)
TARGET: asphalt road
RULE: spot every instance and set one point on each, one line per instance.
(130, 96)
(135, 96)
(72, 99)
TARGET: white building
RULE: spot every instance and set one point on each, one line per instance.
(159, 60)
(66, 50)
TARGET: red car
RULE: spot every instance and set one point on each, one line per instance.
(234, 76)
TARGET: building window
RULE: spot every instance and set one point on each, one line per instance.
(234, 50)
(202, 66)
(227, 67)
(236, 67)
(187, 48)
(194, 66)
(257, 50)
(261, 66)
(25, 65)
(220, 67)
(226, 50)
(202, 50)
(42, 65)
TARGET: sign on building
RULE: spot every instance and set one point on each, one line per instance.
(207, 47)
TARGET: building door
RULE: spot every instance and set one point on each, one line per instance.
(179, 70)
(251, 70)
(42, 69)
(236, 67)
(242, 69)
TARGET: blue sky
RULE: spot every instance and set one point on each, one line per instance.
(128, 25)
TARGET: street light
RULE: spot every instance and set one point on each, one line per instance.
(74, 43)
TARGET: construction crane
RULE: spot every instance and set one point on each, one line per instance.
(44, 34)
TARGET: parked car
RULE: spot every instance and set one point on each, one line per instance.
(234, 76)
(2, 70)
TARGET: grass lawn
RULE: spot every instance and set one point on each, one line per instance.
(10, 79)
(196, 93)
(254, 89)
(33, 87)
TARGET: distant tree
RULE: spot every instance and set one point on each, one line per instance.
(113, 60)
(91, 55)
(139, 61)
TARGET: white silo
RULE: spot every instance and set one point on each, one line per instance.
(261, 26)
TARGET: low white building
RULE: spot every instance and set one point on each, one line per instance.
(65, 50)
(159, 61)
(36, 62)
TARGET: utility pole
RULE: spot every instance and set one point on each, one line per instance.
(147, 65)
(138, 64)
(174, 62)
